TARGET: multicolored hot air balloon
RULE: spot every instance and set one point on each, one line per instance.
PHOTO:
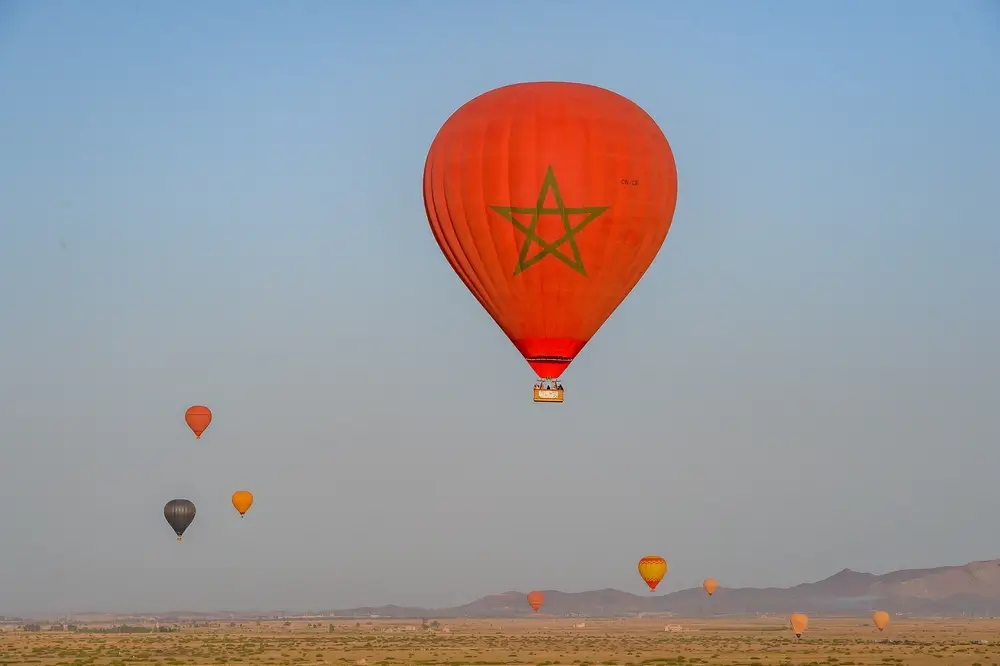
(652, 568)
(242, 501)
(800, 622)
(550, 200)
(535, 599)
(198, 418)
(881, 619)
(710, 585)
(179, 514)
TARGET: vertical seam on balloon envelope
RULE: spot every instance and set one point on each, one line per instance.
(603, 294)
(433, 213)
(570, 307)
(500, 164)
(440, 230)
(667, 167)
(628, 269)
(488, 219)
(485, 279)
(645, 204)
(451, 249)
(504, 166)
(474, 283)
(538, 278)
(657, 197)
(569, 129)
(593, 154)
(470, 250)
(511, 119)
(515, 113)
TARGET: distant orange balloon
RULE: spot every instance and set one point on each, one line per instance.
(242, 500)
(800, 622)
(198, 418)
(536, 599)
(710, 585)
(881, 619)
(652, 568)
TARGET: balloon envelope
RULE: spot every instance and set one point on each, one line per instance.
(881, 619)
(536, 599)
(710, 585)
(198, 418)
(652, 568)
(179, 514)
(550, 200)
(242, 500)
(800, 622)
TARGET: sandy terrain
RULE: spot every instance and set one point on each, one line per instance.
(540, 640)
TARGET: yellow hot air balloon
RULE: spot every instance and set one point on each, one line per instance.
(652, 568)
(800, 622)
(710, 585)
(242, 500)
(881, 619)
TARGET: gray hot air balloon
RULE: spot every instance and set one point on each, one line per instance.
(179, 513)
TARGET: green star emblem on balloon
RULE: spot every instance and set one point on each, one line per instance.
(530, 230)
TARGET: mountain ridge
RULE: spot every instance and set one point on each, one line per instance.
(972, 588)
(968, 589)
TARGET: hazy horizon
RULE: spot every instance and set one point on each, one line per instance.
(645, 593)
(221, 204)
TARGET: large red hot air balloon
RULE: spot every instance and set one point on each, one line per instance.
(550, 200)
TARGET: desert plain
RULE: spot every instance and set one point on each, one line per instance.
(536, 641)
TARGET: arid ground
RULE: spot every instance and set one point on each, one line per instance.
(540, 640)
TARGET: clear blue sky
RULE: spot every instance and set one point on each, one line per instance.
(220, 203)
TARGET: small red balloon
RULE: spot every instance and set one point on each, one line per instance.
(198, 418)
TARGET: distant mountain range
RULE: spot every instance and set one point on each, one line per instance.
(970, 589)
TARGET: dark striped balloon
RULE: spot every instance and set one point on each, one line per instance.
(179, 514)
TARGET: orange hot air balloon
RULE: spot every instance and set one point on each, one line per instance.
(198, 418)
(550, 200)
(881, 619)
(800, 622)
(536, 599)
(652, 568)
(710, 585)
(242, 500)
